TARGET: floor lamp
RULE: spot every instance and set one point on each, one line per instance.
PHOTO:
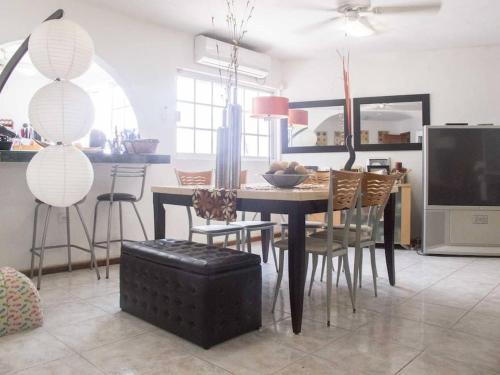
(297, 118)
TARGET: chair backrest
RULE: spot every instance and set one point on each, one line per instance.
(376, 188)
(129, 171)
(375, 192)
(194, 178)
(344, 189)
(319, 178)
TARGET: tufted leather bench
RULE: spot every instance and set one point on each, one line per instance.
(201, 293)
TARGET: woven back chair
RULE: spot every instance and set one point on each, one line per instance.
(194, 178)
(375, 190)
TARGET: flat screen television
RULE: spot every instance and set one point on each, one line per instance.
(463, 166)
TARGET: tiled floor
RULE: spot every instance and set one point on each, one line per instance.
(443, 317)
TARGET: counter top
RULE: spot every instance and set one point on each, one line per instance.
(26, 156)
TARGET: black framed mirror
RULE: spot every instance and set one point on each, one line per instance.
(325, 130)
(387, 123)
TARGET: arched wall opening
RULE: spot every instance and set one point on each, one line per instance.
(113, 111)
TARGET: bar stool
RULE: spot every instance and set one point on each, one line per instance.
(118, 171)
(40, 251)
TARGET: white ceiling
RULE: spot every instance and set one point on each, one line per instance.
(277, 25)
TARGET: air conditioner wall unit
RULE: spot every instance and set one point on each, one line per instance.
(217, 54)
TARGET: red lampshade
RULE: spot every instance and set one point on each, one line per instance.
(270, 107)
(298, 117)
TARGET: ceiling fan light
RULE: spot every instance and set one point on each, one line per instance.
(357, 29)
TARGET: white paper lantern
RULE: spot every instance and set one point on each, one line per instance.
(60, 175)
(61, 49)
(61, 112)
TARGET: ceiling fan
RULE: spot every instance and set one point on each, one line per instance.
(356, 14)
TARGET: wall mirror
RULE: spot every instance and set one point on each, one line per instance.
(318, 127)
(386, 123)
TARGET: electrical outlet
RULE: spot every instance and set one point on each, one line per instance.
(480, 219)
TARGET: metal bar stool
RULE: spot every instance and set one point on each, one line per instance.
(118, 171)
(40, 251)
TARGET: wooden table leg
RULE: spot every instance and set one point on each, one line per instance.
(389, 223)
(296, 266)
(159, 217)
(265, 237)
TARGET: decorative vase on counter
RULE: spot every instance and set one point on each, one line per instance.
(228, 157)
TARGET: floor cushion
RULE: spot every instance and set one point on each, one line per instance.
(19, 302)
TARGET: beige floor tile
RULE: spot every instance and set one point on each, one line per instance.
(413, 334)
(429, 364)
(250, 354)
(311, 365)
(439, 315)
(74, 365)
(362, 353)
(102, 288)
(109, 303)
(69, 313)
(27, 349)
(148, 353)
(56, 296)
(484, 325)
(469, 349)
(314, 335)
(341, 316)
(96, 332)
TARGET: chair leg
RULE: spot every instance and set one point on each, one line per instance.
(249, 241)
(360, 266)
(140, 221)
(68, 239)
(323, 264)
(226, 239)
(357, 252)
(315, 265)
(108, 238)
(210, 240)
(238, 241)
(94, 228)
(33, 243)
(280, 277)
(374, 268)
(120, 212)
(273, 249)
(348, 279)
(328, 287)
(339, 270)
(93, 260)
(42, 249)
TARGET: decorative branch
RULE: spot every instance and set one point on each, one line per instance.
(237, 23)
(347, 89)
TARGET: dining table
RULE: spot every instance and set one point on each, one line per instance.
(296, 203)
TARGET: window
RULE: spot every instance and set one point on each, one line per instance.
(200, 110)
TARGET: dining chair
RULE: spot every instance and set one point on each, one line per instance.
(343, 191)
(375, 192)
(119, 172)
(204, 178)
(253, 225)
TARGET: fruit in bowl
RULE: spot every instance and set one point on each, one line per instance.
(286, 175)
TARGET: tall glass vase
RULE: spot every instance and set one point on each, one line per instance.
(228, 157)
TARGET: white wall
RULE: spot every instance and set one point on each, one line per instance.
(143, 58)
(464, 85)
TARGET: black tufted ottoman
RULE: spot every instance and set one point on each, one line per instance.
(204, 294)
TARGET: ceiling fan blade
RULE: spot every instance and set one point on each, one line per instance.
(367, 23)
(319, 25)
(427, 8)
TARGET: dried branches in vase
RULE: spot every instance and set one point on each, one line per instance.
(228, 157)
(347, 95)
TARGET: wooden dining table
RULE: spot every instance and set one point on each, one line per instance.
(267, 200)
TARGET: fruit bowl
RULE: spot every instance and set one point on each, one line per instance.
(286, 181)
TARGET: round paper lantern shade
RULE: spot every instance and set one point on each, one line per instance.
(60, 175)
(270, 107)
(61, 112)
(298, 117)
(61, 49)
